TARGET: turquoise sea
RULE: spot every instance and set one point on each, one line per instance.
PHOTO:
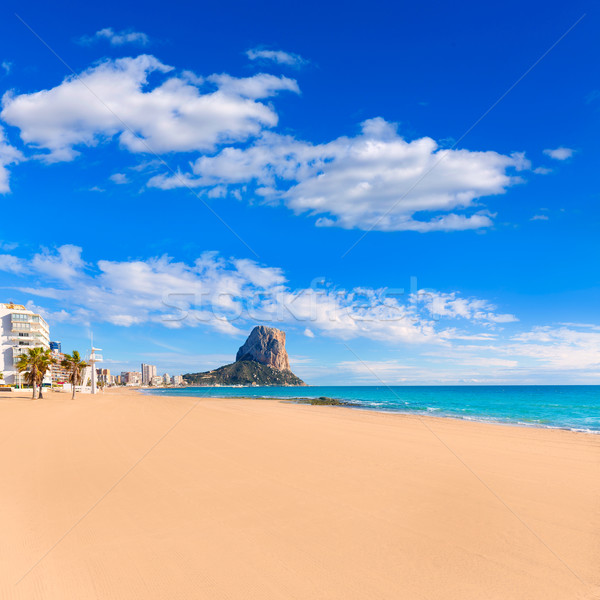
(558, 406)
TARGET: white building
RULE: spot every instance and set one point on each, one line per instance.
(177, 380)
(20, 329)
(148, 372)
(131, 377)
(167, 379)
(156, 380)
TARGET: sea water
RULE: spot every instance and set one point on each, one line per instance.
(558, 406)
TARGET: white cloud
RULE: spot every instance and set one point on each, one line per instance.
(450, 305)
(9, 155)
(473, 357)
(261, 85)
(277, 56)
(375, 180)
(445, 370)
(558, 347)
(377, 370)
(559, 153)
(119, 178)
(8, 245)
(229, 295)
(540, 218)
(116, 38)
(13, 264)
(64, 265)
(7, 66)
(113, 99)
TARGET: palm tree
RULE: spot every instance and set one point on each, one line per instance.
(45, 362)
(75, 366)
(34, 363)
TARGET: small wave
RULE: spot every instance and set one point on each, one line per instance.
(581, 421)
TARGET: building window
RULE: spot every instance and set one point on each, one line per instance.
(19, 317)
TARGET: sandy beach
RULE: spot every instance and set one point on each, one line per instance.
(125, 495)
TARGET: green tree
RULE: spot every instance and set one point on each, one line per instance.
(34, 363)
(45, 363)
(75, 365)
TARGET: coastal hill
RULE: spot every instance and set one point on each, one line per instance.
(262, 360)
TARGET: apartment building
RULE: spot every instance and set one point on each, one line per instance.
(148, 372)
(20, 329)
(156, 380)
(104, 376)
(131, 377)
(58, 373)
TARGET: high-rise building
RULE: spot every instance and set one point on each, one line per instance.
(104, 376)
(177, 380)
(166, 379)
(59, 373)
(131, 377)
(156, 380)
(56, 346)
(148, 372)
(20, 329)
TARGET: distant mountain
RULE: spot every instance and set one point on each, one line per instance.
(262, 360)
(243, 372)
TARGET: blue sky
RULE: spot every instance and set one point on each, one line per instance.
(170, 180)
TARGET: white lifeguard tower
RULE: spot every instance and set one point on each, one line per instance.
(92, 360)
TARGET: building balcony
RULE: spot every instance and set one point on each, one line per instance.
(33, 320)
(18, 337)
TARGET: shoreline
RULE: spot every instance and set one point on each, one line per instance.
(126, 495)
(356, 405)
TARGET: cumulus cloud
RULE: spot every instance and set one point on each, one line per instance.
(13, 264)
(375, 180)
(452, 305)
(63, 265)
(277, 56)
(9, 155)
(563, 347)
(230, 295)
(119, 178)
(113, 99)
(559, 153)
(258, 86)
(448, 334)
(116, 38)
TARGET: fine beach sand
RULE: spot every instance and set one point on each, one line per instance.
(124, 495)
